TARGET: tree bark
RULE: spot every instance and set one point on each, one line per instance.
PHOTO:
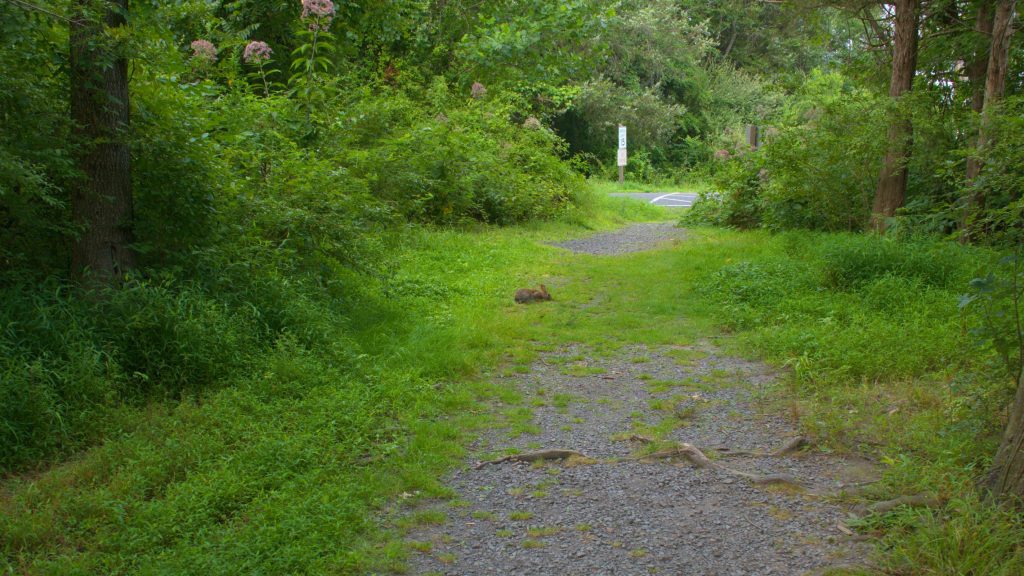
(1006, 479)
(978, 68)
(995, 87)
(102, 204)
(892, 182)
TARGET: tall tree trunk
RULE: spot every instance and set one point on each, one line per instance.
(978, 68)
(102, 204)
(995, 86)
(1006, 479)
(892, 182)
(1007, 475)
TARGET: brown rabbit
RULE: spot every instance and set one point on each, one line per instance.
(527, 295)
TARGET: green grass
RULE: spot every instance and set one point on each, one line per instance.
(542, 531)
(295, 468)
(609, 186)
(290, 470)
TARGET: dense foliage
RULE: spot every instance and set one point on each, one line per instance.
(297, 169)
(820, 164)
(265, 192)
(277, 146)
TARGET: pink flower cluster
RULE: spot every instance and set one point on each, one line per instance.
(478, 90)
(317, 8)
(256, 51)
(204, 49)
(318, 13)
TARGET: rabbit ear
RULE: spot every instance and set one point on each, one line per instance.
(543, 289)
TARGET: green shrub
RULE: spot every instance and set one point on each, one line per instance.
(177, 175)
(838, 306)
(55, 375)
(967, 537)
(1001, 181)
(171, 341)
(850, 261)
(469, 162)
(822, 164)
(36, 151)
(752, 291)
(816, 170)
(738, 200)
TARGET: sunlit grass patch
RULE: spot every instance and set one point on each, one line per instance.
(686, 356)
(542, 531)
(520, 422)
(424, 547)
(583, 370)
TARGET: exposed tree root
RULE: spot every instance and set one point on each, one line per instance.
(554, 454)
(922, 500)
(699, 460)
(792, 445)
(775, 479)
(688, 452)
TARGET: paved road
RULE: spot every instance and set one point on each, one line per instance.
(666, 199)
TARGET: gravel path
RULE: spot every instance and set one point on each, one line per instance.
(612, 514)
(633, 238)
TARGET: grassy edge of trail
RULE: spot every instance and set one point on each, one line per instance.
(260, 477)
(874, 355)
(288, 469)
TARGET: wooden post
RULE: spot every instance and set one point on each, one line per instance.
(622, 174)
(753, 139)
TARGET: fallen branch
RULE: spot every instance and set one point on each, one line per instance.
(554, 454)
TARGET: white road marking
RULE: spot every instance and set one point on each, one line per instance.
(667, 200)
(681, 200)
(655, 201)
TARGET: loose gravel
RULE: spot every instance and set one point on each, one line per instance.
(616, 515)
(635, 238)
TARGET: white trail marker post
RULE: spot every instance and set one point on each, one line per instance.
(622, 154)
